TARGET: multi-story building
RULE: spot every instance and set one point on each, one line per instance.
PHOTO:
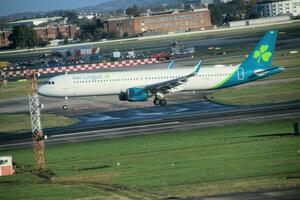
(161, 22)
(4, 42)
(120, 25)
(174, 22)
(280, 7)
(52, 32)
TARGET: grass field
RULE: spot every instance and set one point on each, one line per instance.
(258, 94)
(247, 157)
(16, 89)
(13, 89)
(20, 122)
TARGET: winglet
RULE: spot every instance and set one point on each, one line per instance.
(171, 65)
(197, 67)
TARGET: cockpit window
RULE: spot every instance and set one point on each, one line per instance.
(51, 82)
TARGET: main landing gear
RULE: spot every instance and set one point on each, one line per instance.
(161, 102)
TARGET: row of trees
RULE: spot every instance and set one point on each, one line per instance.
(223, 13)
(25, 37)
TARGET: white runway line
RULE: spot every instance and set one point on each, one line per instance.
(114, 129)
(148, 127)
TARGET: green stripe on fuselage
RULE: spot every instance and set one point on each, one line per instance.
(219, 85)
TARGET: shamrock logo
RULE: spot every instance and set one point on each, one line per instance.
(262, 54)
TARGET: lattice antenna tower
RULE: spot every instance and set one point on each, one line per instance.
(36, 126)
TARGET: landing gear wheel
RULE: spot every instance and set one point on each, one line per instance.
(156, 101)
(162, 102)
(65, 107)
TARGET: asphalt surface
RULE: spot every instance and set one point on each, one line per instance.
(291, 194)
(177, 117)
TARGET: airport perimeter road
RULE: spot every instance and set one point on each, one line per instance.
(184, 121)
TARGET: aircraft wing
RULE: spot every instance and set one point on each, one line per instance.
(168, 86)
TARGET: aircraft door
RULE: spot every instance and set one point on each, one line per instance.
(241, 74)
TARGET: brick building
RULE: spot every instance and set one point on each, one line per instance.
(52, 32)
(120, 25)
(174, 22)
(161, 22)
(4, 42)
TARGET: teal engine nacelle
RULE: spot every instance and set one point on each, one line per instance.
(134, 94)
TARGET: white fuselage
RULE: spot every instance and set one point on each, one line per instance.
(108, 83)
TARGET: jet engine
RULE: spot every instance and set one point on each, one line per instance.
(134, 94)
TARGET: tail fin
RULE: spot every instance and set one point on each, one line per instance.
(171, 65)
(262, 55)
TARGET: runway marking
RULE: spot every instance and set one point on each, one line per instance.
(100, 133)
(114, 129)
(140, 132)
(243, 119)
(15, 144)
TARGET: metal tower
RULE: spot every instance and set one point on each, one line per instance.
(35, 118)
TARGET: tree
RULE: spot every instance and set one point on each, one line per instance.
(60, 35)
(133, 11)
(23, 36)
(125, 35)
(41, 42)
(223, 13)
(66, 41)
(86, 36)
(71, 15)
(98, 34)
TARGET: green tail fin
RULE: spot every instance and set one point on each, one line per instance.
(262, 55)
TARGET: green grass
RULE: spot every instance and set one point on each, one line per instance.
(15, 89)
(258, 94)
(200, 162)
(20, 122)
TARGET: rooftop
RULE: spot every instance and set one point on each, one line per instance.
(35, 20)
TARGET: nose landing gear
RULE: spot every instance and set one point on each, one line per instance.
(65, 107)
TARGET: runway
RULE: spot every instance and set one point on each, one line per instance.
(178, 117)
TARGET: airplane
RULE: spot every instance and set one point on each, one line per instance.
(140, 85)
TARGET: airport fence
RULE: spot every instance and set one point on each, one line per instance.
(82, 67)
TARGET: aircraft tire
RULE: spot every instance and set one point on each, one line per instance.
(65, 107)
(156, 101)
(162, 102)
